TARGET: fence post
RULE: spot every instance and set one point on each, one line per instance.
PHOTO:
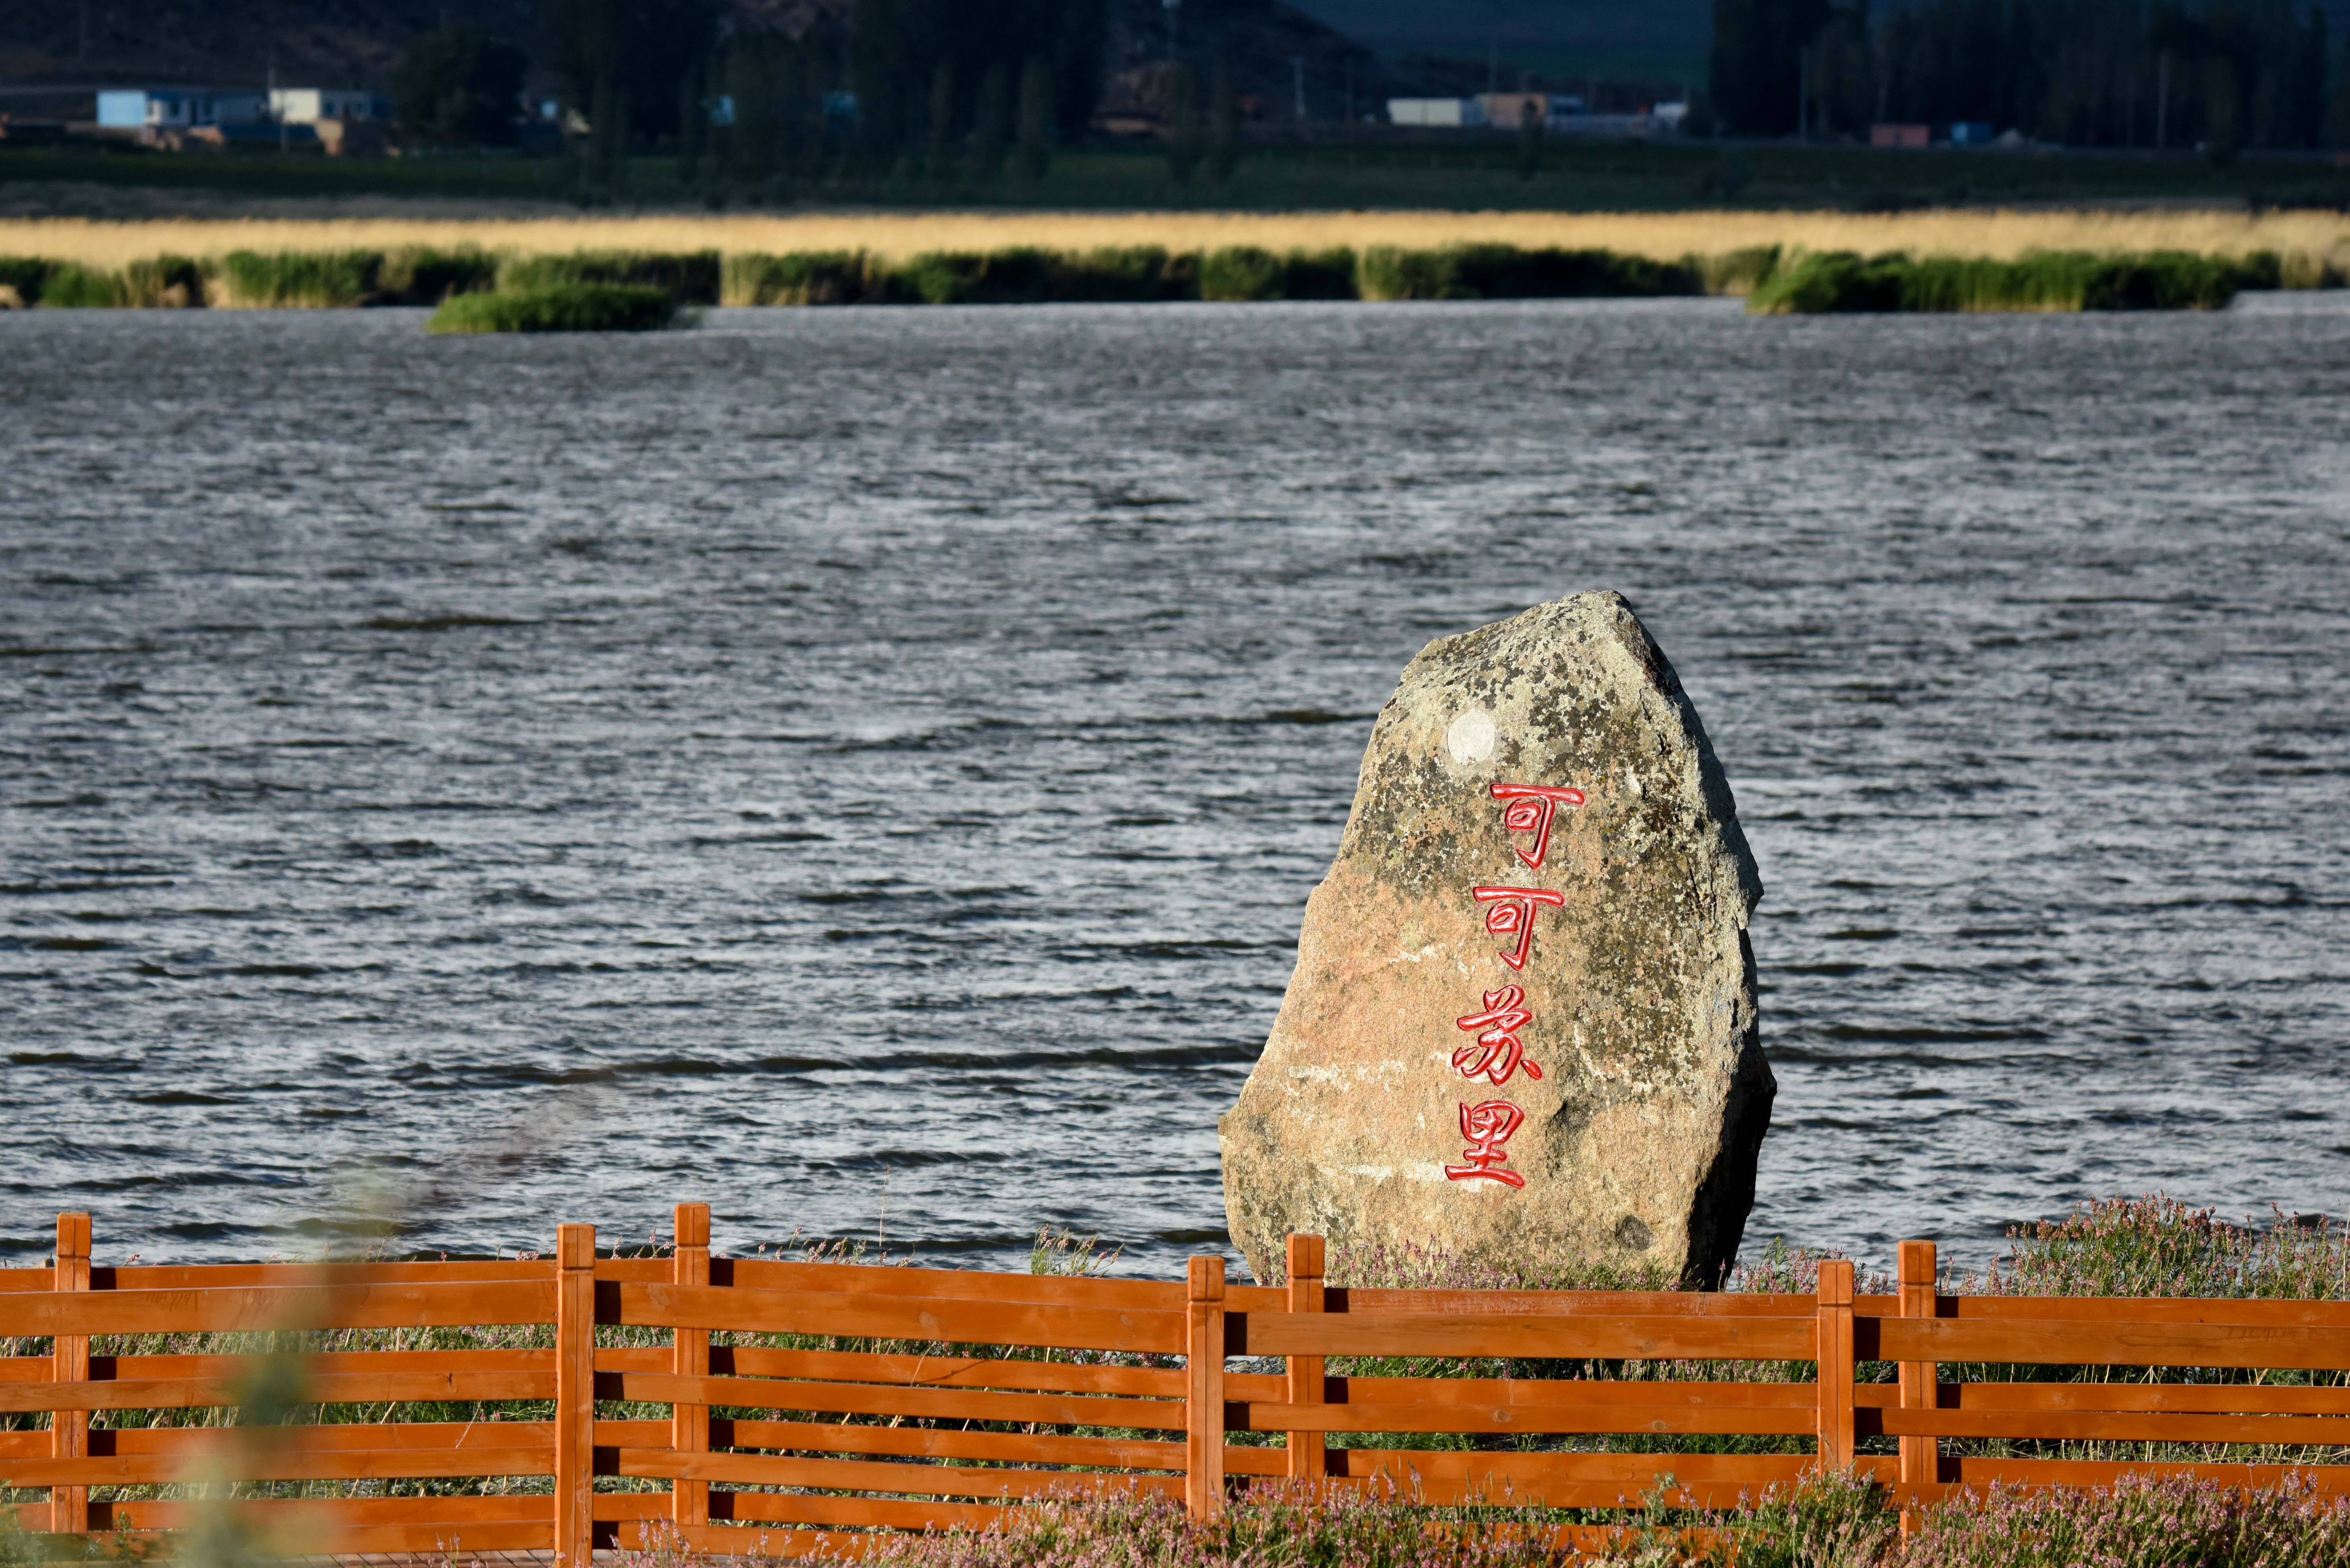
(1306, 1261)
(574, 1394)
(688, 1425)
(1922, 1458)
(1834, 1339)
(69, 1362)
(1203, 1411)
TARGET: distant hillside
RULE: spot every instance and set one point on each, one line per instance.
(323, 43)
(1259, 39)
(1661, 40)
(1564, 39)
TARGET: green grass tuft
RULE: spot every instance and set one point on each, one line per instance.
(802, 277)
(1321, 274)
(1242, 272)
(315, 280)
(164, 282)
(564, 307)
(22, 279)
(1841, 281)
(71, 286)
(1125, 273)
(1507, 272)
(692, 277)
(420, 275)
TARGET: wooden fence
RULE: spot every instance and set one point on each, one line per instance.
(1055, 1383)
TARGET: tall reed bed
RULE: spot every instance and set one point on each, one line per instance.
(1776, 280)
(2320, 236)
(1841, 281)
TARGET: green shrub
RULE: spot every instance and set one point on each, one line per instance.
(169, 282)
(1182, 278)
(564, 308)
(1840, 280)
(2042, 282)
(315, 280)
(419, 275)
(72, 286)
(2161, 280)
(21, 280)
(1321, 275)
(1021, 276)
(1134, 272)
(801, 277)
(1508, 271)
(1389, 272)
(1242, 273)
(2261, 271)
(692, 277)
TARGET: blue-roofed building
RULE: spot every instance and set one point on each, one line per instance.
(152, 111)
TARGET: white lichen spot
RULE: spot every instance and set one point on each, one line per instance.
(1471, 738)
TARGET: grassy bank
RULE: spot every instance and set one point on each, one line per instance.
(579, 286)
(1842, 281)
(899, 237)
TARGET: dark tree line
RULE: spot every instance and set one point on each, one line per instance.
(2224, 74)
(943, 92)
(939, 90)
(458, 88)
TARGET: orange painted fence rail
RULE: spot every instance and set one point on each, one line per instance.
(1053, 1383)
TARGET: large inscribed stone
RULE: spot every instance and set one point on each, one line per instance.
(1523, 1024)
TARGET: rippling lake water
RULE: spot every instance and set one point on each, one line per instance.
(865, 768)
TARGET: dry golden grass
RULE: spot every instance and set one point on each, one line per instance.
(1660, 236)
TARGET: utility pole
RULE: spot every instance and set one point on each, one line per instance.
(275, 112)
(1297, 76)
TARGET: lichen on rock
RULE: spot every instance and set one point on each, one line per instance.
(1605, 1101)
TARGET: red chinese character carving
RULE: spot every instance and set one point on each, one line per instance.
(1487, 1127)
(1530, 810)
(1497, 1053)
(1514, 911)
